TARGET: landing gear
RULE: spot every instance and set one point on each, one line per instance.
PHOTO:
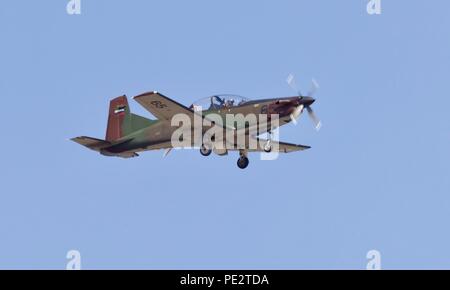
(243, 161)
(205, 151)
(268, 147)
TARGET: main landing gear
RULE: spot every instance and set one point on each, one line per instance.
(243, 161)
(205, 151)
(268, 146)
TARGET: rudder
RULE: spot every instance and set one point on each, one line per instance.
(118, 112)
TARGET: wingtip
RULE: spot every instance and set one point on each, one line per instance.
(146, 94)
(304, 147)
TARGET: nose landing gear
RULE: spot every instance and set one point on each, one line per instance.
(243, 161)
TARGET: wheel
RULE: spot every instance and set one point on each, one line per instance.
(243, 162)
(268, 148)
(205, 151)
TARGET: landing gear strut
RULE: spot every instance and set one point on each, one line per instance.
(243, 161)
(268, 146)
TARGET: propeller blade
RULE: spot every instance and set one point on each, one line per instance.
(312, 115)
(166, 152)
(296, 114)
(293, 119)
(314, 87)
(291, 82)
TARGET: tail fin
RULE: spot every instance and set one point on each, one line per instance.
(118, 112)
(121, 122)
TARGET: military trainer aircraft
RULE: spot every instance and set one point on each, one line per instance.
(128, 134)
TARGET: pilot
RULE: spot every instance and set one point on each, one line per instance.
(229, 103)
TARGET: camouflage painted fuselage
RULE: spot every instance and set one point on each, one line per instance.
(161, 131)
(127, 133)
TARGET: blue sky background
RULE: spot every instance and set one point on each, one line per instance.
(377, 176)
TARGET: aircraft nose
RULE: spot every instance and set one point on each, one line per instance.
(307, 101)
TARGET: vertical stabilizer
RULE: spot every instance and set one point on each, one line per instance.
(121, 122)
(119, 111)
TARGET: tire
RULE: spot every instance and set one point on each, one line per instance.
(243, 162)
(205, 151)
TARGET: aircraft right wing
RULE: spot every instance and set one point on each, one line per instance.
(161, 106)
(165, 108)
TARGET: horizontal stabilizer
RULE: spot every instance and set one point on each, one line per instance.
(92, 143)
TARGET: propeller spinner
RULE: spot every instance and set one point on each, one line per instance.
(305, 102)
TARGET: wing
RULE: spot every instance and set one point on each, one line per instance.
(159, 146)
(281, 147)
(165, 108)
(161, 106)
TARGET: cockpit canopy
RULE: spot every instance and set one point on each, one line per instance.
(218, 102)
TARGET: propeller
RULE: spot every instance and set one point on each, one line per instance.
(314, 119)
(166, 152)
(314, 87)
(296, 114)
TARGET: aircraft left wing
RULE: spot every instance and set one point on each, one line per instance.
(161, 106)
